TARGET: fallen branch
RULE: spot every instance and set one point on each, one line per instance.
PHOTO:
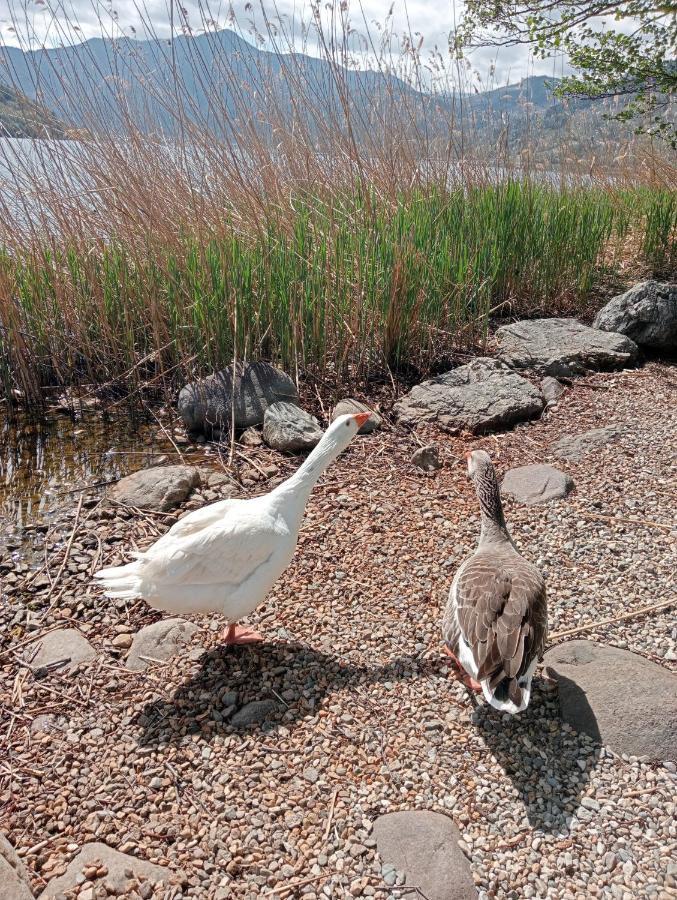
(627, 521)
(68, 547)
(629, 615)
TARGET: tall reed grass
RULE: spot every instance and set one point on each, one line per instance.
(315, 229)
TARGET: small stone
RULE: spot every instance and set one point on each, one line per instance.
(122, 641)
(311, 775)
(427, 458)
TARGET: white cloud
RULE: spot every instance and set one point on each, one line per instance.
(53, 22)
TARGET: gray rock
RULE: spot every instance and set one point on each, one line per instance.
(536, 484)
(351, 407)
(424, 846)
(288, 427)
(552, 389)
(427, 458)
(14, 881)
(251, 438)
(64, 643)
(576, 446)
(563, 347)
(161, 641)
(161, 487)
(620, 699)
(484, 395)
(205, 405)
(647, 314)
(254, 712)
(125, 872)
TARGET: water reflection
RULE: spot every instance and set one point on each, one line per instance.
(43, 464)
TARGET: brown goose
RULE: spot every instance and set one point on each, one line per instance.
(495, 623)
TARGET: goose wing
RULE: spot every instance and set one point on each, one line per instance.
(502, 614)
(221, 546)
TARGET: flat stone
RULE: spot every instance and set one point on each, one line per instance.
(124, 873)
(427, 458)
(350, 407)
(14, 881)
(424, 846)
(576, 446)
(484, 395)
(563, 347)
(288, 427)
(205, 405)
(64, 643)
(621, 699)
(160, 487)
(536, 484)
(647, 314)
(251, 437)
(160, 641)
(254, 712)
(552, 389)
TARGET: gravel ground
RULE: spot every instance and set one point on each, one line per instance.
(368, 719)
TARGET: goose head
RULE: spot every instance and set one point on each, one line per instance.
(342, 430)
(480, 466)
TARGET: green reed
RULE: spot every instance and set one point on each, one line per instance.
(350, 284)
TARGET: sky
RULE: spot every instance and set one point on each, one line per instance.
(53, 22)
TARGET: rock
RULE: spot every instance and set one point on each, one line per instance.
(161, 487)
(424, 846)
(205, 405)
(256, 711)
(427, 458)
(288, 427)
(484, 395)
(563, 347)
(14, 881)
(647, 314)
(552, 389)
(122, 641)
(352, 407)
(576, 446)
(536, 484)
(621, 699)
(251, 438)
(161, 641)
(64, 643)
(123, 873)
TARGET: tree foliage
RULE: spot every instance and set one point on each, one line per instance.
(624, 50)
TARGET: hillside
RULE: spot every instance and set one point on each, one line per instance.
(23, 118)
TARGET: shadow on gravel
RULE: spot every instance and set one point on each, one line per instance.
(543, 761)
(290, 678)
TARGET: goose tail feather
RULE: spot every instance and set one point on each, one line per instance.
(121, 582)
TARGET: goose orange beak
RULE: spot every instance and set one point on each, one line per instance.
(361, 418)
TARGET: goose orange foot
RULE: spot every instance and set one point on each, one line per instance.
(461, 674)
(235, 634)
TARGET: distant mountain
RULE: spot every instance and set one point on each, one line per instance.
(100, 81)
(21, 117)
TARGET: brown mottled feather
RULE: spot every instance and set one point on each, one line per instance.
(501, 611)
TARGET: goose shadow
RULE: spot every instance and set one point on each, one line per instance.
(549, 766)
(290, 678)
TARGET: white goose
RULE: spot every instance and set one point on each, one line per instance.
(495, 623)
(225, 557)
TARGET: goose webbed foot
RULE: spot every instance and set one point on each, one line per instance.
(237, 634)
(461, 674)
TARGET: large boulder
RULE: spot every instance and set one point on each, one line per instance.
(205, 405)
(536, 484)
(160, 487)
(423, 846)
(14, 881)
(576, 446)
(62, 649)
(647, 314)
(124, 875)
(159, 642)
(563, 347)
(484, 395)
(621, 699)
(288, 427)
(352, 407)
